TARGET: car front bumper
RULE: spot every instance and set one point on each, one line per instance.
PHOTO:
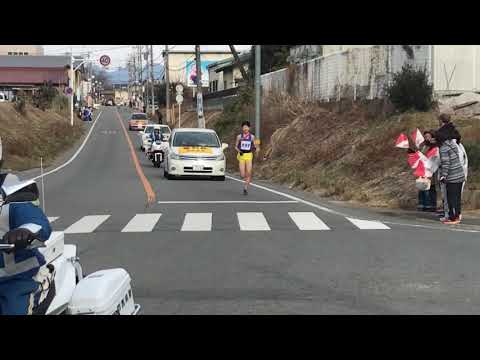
(190, 167)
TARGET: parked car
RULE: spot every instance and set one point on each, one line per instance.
(145, 134)
(196, 152)
(3, 97)
(137, 121)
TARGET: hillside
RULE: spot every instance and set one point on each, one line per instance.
(344, 151)
(27, 137)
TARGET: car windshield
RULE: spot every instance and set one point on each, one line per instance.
(139, 117)
(206, 139)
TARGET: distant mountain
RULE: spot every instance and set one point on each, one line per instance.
(120, 75)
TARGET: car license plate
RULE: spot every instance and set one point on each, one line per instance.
(197, 167)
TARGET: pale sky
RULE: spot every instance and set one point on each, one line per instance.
(119, 53)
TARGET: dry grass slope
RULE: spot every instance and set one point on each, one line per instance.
(347, 151)
(36, 134)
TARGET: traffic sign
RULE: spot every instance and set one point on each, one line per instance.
(179, 88)
(69, 91)
(105, 60)
(179, 99)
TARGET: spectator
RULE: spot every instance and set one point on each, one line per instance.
(447, 128)
(427, 199)
(160, 117)
(452, 175)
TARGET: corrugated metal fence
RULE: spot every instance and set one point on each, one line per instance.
(354, 73)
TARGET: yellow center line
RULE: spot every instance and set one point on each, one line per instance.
(151, 197)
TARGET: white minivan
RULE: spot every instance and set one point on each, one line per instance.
(195, 152)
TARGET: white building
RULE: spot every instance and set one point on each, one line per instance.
(21, 50)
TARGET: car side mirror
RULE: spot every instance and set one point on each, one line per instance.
(224, 146)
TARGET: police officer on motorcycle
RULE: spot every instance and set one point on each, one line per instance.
(156, 135)
(25, 281)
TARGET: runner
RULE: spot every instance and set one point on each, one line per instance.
(245, 146)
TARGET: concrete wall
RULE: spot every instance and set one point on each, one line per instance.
(363, 71)
(456, 67)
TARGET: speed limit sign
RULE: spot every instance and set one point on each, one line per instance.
(105, 60)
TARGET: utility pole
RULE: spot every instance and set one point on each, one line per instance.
(147, 66)
(167, 84)
(135, 78)
(151, 79)
(239, 64)
(258, 96)
(140, 73)
(201, 118)
(72, 74)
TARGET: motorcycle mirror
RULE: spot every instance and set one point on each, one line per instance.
(20, 193)
(4, 247)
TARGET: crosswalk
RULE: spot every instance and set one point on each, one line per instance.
(244, 221)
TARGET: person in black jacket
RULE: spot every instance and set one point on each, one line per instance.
(447, 129)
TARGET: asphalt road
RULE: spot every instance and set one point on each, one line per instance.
(254, 257)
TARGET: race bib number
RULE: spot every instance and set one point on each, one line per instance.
(245, 145)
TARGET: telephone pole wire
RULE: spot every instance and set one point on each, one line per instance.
(201, 118)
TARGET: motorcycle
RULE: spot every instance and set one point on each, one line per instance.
(104, 292)
(156, 151)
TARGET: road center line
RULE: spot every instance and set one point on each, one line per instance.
(146, 185)
(76, 153)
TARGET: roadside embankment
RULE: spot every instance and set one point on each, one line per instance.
(344, 151)
(35, 134)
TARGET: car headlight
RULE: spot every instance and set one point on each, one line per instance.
(220, 158)
(174, 156)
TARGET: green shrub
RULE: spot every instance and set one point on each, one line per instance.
(20, 105)
(60, 104)
(473, 153)
(411, 90)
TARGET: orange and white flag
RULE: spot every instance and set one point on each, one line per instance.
(420, 170)
(417, 138)
(402, 142)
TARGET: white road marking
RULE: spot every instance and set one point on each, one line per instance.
(228, 202)
(307, 221)
(142, 223)
(294, 198)
(87, 224)
(252, 221)
(53, 218)
(339, 213)
(368, 224)
(76, 153)
(197, 222)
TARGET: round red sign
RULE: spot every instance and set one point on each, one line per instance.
(105, 60)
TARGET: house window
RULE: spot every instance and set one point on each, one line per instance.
(10, 53)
